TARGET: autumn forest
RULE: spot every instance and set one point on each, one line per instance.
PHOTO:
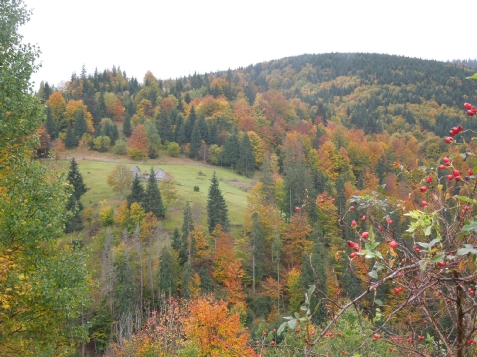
(317, 205)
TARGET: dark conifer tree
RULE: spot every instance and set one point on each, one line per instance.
(102, 105)
(213, 133)
(187, 227)
(49, 124)
(231, 152)
(127, 130)
(206, 281)
(195, 141)
(164, 127)
(74, 205)
(204, 128)
(176, 240)
(137, 192)
(189, 124)
(257, 240)
(187, 277)
(70, 139)
(168, 274)
(173, 116)
(181, 135)
(246, 161)
(80, 125)
(152, 201)
(217, 210)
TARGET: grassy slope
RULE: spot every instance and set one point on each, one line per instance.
(186, 174)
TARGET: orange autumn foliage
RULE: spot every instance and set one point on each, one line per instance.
(216, 331)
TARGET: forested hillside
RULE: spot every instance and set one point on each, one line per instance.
(341, 148)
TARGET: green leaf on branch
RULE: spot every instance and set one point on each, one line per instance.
(430, 244)
(470, 226)
(467, 199)
(474, 77)
(468, 249)
(281, 328)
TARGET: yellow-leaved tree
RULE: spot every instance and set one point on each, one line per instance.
(43, 283)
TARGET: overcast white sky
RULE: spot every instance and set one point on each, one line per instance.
(175, 38)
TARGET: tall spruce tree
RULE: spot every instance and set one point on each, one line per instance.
(70, 139)
(81, 126)
(168, 274)
(246, 161)
(49, 124)
(204, 128)
(176, 240)
(231, 152)
(213, 133)
(187, 227)
(164, 127)
(152, 201)
(189, 124)
(257, 240)
(127, 129)
(74, 205)
(195, 141)
(137, 192)
(217, 210)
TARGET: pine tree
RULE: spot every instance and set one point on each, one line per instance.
(176, 240)
(187, 227)
(189, 124)
(49, 124)
(80, 125)
(74, 205)
(152, 201)
(177, 128)
(70, 139)
(187, 280)
(204, 128)
(257, 240)
(195, 141)
(246, 161)
(217, 210)
(168, 273)
(127, 130)
(76, 179)
(231, 152)
(137, 192)
(164, 127)
(213, 133)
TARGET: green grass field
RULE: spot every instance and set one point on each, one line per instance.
(187, 175)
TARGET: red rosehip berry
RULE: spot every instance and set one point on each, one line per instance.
(424, 204)
(353, 223)
(363, 218)
(445, 159)
(350, 244)
(457, 178)
(442, 167)
(470, 172)
(448, 139)
(365, 235)
(351, 208)
(297, 209)
(416, 248)
(459, 128)
(429, 179)
(441, 264)
(322, 200)
(393, 244)
(409, 340)
(423, 188)
(272, 343)
(389, 220)
(356, 247)
(456, 173)
(467, 106)
(470, 113)
(340, 335)
(381, 228)
(450, 177)
(352, 255)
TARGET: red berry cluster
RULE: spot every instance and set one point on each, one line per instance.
(471, 110)
(376, 337)
(470, 291)
(398, 290)
(471, 342)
